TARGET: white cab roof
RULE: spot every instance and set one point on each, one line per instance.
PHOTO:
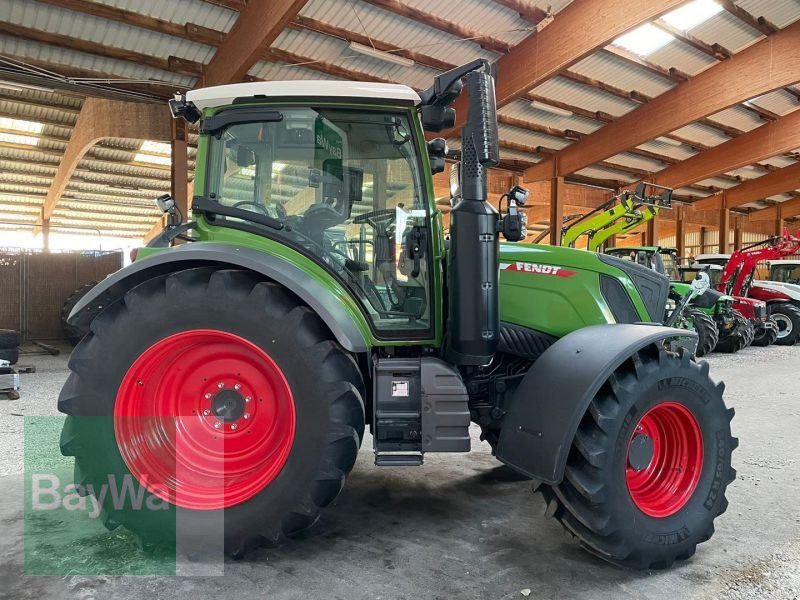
(222, 95)
(700, 257)
(783, 262)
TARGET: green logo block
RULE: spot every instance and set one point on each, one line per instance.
(83, 513)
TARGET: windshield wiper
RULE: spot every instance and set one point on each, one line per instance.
(208, 205)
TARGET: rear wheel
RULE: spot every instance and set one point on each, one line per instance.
(706, 329)
(649, 465)
(228, 401)
(768, 334)
(738, 337)
(787, 317)
(72, 332)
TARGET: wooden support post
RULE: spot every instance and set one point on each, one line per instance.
(180, 167)
(680, 232)
(724, 224)
(779, 222)
(46, 234)
(610, 242)
(651, 235)
(737, 234)
(557, 193)
(702, 240)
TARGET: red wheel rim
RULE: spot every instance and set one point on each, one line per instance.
(204, 419)
(664, 485)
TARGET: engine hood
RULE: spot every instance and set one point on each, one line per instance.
(790, 289)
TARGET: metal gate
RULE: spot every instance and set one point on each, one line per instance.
(34, 285)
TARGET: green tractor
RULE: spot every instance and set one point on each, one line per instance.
(231, 377)
(718, 325)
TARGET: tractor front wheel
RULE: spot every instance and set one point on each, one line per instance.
(768, 334)
(221, 398)
(706, 329)
(787, 317)
(738, 337)
(650, 463)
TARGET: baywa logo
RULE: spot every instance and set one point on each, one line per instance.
(123, 493)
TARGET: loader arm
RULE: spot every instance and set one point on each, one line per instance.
(742, 263)
(597, 220)
(624, 224)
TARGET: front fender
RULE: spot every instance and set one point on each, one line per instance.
(330, 308)
(555, 393)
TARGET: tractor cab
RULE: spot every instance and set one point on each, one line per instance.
(785, 271)
(660, 259)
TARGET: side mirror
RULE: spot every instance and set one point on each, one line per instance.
(455, 181)
(437, 150)
(701, 283)
(166, 203)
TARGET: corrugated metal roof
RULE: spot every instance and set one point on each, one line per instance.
(637, 162)
(701, 134)
(198, 12)
(103, 32)
(531, 138)
(780, 13)
(334, 51)
(682, 57)
(603, 173)
(780, 102)
(727, 31)
(388, 27)
(583, 96)
(681, 152)
(738, 117)
(622, 74)
(27, 49)
(779, 161)
(522, 109)
(717, 182)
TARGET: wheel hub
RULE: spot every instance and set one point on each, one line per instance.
(640, 452)
(784, 325)
(228, 405)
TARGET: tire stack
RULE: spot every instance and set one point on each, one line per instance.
(9, 345)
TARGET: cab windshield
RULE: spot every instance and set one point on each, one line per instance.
(785, 274)
(344, 187)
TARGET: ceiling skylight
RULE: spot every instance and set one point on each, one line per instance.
(20, 125)
(156, 153)
(17, 138)
(692, 14)
(644, 40)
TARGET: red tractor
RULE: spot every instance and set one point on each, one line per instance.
(738, 279)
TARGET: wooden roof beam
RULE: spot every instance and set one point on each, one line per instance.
(765, 66)
(259, 24)
(101, 119)
(761, 143)
(774, 183)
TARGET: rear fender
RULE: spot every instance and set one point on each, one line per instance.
(330, 308)
(549, 404)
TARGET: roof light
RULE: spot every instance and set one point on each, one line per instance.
(692, 14)
(381, 55)
(20, 125)
(16, 138)
(156, 147)
(152, 158)
(551, 109)
(644, 40)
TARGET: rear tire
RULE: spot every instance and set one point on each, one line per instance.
(706, 329)
(648, 524)
(768, 335)
(738, 338)
(10, 354)
(787, 317)
(71, 332)
(326, 393)
(9, 339)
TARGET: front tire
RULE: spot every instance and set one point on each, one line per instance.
(706, 329)
(768, 335)
(262, 460)
(787, 317)
(738, 337)
(649, 465)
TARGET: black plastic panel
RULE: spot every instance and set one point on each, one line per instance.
(652, 287)
(618, 300)
(524, 342)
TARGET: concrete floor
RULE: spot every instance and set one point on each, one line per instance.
(462, 526)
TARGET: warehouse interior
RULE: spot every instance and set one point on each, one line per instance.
(593, 98)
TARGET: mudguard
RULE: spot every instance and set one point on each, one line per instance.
(311, 291)
(549, 404)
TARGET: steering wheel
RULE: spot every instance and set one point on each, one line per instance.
(259, 207)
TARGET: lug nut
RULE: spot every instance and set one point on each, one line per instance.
(248, 399)
(237, 387)
(206, 412)
(246, 415)
(233, 426)
(208, 396)
(220, 385)
(217, 425)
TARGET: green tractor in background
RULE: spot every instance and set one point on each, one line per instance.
(231, 377)
(718, 325)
